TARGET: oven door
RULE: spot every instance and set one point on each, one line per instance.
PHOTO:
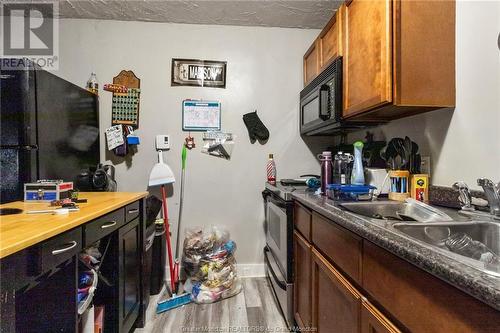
(282, 290)
(276, 231)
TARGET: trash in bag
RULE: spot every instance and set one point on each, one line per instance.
(208, 261)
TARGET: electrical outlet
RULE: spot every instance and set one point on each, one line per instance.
(162, 142)
(425, 165)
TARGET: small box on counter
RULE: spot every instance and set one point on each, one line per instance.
(420, 187)
(47, 190)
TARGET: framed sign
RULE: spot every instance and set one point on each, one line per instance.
(200, 115)
(200, 73)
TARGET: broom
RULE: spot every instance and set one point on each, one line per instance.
(161, 174)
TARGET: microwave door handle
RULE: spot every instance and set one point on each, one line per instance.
(324, 107)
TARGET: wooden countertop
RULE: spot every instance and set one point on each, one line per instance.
(21, 231)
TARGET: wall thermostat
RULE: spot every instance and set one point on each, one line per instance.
(162, 142)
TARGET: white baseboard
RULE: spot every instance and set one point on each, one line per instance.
(251, 270)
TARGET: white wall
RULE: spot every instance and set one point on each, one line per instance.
(264, 72)
(464, 144)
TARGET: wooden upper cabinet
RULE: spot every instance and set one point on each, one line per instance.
(336, 305)
(373, 321)
(330, 39)
(424, 53)
(398, 57)
(311, 63)
(367, 55)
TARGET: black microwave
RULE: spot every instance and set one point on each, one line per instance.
(321, 100)
(321, 105)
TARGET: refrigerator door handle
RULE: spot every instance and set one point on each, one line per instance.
(20, 147)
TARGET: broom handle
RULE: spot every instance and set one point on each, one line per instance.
(167, 236)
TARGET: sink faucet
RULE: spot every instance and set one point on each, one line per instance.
(464, 195)
(492, 192)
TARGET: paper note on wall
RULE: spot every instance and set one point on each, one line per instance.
(114, 137)
(200, 115)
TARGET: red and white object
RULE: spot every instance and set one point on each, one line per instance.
(271, 170)
(47, 190)
(115, 88)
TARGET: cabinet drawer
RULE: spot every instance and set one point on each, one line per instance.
(103, 226)
(341, 246)
(302, 220)
(60, 248)
(132, 211)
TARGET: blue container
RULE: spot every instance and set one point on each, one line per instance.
(350, 192)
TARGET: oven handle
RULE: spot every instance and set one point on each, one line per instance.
(280, 283)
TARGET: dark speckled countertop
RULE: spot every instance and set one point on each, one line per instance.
(478, 284)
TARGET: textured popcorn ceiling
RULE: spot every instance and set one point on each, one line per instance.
(272, 13)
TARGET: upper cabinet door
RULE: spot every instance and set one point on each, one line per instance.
(311, 63)
(367, 55)
(330, 39)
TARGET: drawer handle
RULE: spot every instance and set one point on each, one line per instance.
(133, 211)
(108, 225)
(67, 248)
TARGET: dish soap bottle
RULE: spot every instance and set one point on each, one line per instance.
(326, 170)
(92, 84)
(271, 170)
(358, 175)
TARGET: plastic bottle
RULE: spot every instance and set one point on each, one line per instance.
(326, 170)
(358, 175)
(271, 170)
(463, 244)
(347, 167)
(92, 84)
(338, 169)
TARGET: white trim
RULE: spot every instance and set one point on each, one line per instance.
(251, 270)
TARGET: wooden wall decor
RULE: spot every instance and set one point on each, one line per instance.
(125, 107)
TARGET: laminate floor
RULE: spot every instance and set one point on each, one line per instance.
(254, 309)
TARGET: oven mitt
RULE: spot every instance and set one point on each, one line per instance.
(256, 129)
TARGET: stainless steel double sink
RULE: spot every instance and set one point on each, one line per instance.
(481, 230)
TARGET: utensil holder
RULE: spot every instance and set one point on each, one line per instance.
(399, 185)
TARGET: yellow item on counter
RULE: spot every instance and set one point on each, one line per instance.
(420, 187)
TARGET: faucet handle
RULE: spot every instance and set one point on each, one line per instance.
(464, 195)
(485, 182)
(492, 192)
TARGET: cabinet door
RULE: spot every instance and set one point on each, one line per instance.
(367, 55)
(129, 274)
(302, 281)
(372, 321)
(330, 39)
(336, 305)
(311, 63)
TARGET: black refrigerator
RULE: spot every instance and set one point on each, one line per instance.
(49, 129)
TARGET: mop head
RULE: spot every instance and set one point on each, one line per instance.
(173, 302)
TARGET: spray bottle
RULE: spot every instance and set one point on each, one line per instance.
(358, 175)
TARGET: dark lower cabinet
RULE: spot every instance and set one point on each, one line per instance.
(39, 285)
(129, 296)
(302, 282)
(336, 305)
